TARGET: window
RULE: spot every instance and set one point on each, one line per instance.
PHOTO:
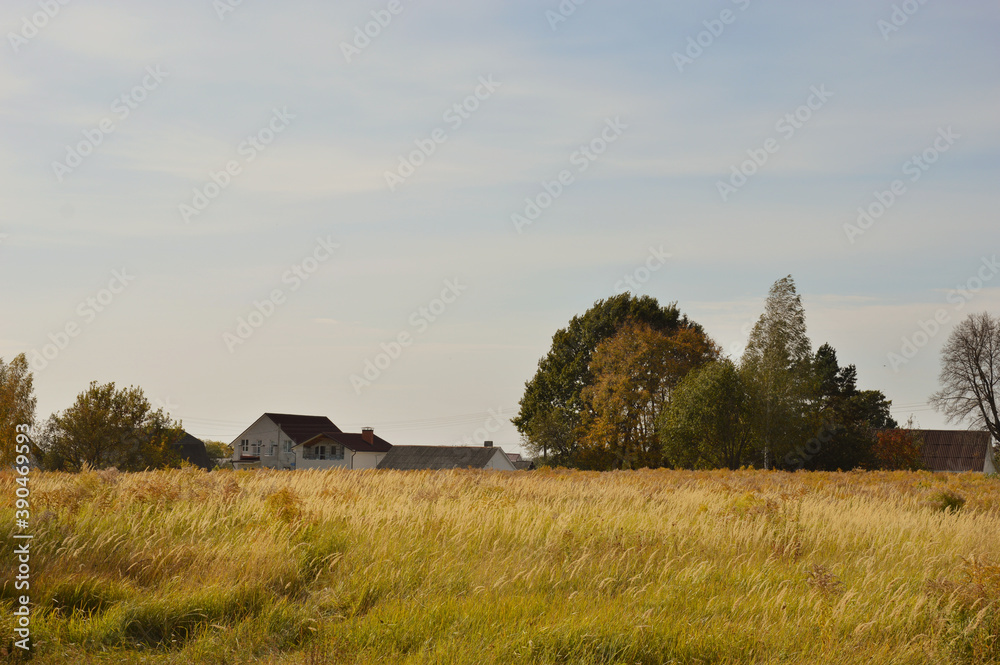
(288, 446)
(273, 449)
(337, 452)
(245, 445)
(259, 447)
(322, 452)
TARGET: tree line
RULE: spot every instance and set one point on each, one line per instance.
(631, 384)
(105, 427)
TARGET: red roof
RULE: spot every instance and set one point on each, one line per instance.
(353, 441)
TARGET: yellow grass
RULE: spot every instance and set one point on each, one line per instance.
(644, 567)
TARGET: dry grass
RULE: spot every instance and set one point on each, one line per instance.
(544, 567)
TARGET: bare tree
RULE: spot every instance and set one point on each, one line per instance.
(970, 373)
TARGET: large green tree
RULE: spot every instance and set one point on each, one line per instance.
(778, 361)
(710, 420)
(108, 427)
(17, 404)
(551, 409)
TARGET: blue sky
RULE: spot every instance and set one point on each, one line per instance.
(888, 96)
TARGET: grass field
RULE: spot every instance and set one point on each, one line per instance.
(188, 567)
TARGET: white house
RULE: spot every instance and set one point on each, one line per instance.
(331, 450)
(268, 443)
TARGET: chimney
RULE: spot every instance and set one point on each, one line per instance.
(368, 435)
(487, 444)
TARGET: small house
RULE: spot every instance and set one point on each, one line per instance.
(406, 458)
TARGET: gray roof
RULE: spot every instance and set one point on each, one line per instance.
(406, 458)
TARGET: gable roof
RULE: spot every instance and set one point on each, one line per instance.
(302, 428)
(353, 441)
(192, 449)
(405, 458)
(955, 450)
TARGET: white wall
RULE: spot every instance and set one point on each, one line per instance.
(268, 433)
(362, 460)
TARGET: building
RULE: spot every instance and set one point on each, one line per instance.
(268, 443)
(408, 458)
(520, 463)
(192, 450)
(331, 450)
(957, 450)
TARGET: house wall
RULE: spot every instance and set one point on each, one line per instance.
(363, 460)
(500, 462)
(268, 434)
(991, 461)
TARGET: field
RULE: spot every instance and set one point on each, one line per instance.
(187, 567)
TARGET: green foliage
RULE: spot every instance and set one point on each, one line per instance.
(17, 404)
(709, 423)
(778, 363)
(218, 449)
(107, 427)
(948, 502)
(551, 408)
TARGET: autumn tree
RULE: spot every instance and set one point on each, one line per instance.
(709, 422)
(551, 409)
(777, 361)
(899, 449)
(635, 373)
(970, 374)
(107, 427)
(17, 404)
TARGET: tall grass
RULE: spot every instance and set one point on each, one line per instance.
(530, 567)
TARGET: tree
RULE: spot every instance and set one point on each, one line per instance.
(844, 420)
(970, 374)
(709, 422)
(778, 362)
(551, 408)
(635, 373)
(218, 449)
(17, 404)
(899, 449)
(105, 428)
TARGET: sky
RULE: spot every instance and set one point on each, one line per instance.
(382, 211)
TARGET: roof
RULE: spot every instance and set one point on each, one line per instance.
(353, 441)
(514, 457)
(955, 450)
(302, 428)
(406, 458)
(192, 449)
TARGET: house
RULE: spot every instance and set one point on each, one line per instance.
(268, 443)
(340, 450)
(520, 463)
(192, 450)
(404, 458)
(958, 450)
